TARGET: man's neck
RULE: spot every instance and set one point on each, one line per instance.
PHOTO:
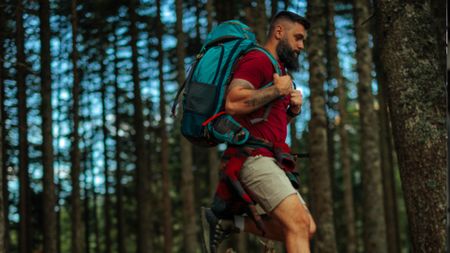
(271, 47)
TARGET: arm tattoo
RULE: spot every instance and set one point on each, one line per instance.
(262, 97)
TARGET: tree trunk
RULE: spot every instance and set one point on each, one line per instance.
(3, 200)
(261, 21)
(143, 185)
(187, 187)
(58, 153)
(374, 235)
(256, 18)
(319, 171)
(77, 230)
(387, 159)
(118, 173)
(336, 73)
(213, 155)
(225, 10)
(86, 213)
(47, 126)
(95, 219)
(209, 17)
(167, 204)
(24, 209)
(213, 159)
(107, 200)
(414, 65)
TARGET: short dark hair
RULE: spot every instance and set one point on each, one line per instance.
(291, 16)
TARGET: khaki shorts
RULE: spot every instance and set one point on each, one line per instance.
(267, 182)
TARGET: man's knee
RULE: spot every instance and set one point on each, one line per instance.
(293, 216)
(301, 223)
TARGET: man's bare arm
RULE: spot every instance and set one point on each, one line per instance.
(243, 98)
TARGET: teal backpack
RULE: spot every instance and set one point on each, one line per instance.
(204, 121)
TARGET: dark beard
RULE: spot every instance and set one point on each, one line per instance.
(288, 56)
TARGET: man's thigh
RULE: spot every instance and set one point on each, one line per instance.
(266, 182)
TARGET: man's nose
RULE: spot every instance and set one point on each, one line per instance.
(300, 45)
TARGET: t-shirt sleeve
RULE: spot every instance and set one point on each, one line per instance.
(255, 68)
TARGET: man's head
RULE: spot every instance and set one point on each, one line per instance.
(288, 31)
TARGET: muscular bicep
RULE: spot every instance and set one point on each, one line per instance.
(238, 89)
(237, 93)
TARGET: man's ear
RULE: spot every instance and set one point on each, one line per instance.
(279, 32)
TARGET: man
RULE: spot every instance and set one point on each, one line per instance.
(286, 215)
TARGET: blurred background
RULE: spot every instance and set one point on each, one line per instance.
(92, 161)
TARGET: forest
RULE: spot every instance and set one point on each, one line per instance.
(92, 161)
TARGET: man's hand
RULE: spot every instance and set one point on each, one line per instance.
(283, 84)
(296, 101)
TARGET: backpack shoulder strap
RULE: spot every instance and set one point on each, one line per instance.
(270, 56)
(277, 70)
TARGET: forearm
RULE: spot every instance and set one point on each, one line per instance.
(244, 100)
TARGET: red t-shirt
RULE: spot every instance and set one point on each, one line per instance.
(256, 68)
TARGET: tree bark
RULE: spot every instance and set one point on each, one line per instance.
(167, 204)
(77, 230)
(3, 200)
(120, 226)
(213, 156)
(47, 126)
(24, 190)
(319, 171)
(87, 210)
(336, 73)
(143, 185)
(213, 159)
(414, 65)
(95, 219)
(209, 17)
(187, 187)
(256, 18)
(374, 228)
(107, 200)
(273, 8)
(387, 158)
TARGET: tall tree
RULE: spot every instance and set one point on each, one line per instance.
(167, 204)
(75, 199)
(374, 228)
(142, 175)
(3, 201)
(87, 210)
(336, 74)
(256, 18)
(209, 17)
(213, 158)
(387, 157)
(3, 175)
(187, 186)
(107, 200)
(273, 8)
(47, 126)
(414, 65)
(95, 219)
(24, 209)
(118, 150)
(320, 175)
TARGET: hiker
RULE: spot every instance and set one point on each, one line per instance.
(267, 175)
